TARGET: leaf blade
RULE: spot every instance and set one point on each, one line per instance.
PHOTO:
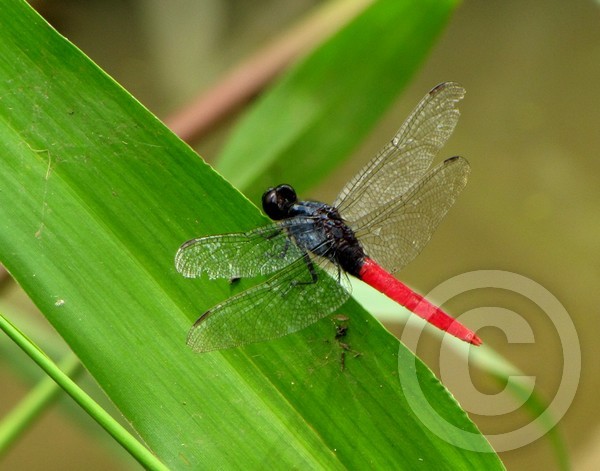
(96, 197)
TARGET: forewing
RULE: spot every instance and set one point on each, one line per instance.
(406, 158)
(394, 235)
(258, 252)
(289, 301)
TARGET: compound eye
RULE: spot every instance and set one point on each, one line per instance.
(278, 201)
(286, 194)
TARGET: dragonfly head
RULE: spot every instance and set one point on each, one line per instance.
(278, 201)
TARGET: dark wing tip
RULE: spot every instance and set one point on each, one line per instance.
(457, 159)
(444, 85)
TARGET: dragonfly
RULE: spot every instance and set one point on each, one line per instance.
(379, 222)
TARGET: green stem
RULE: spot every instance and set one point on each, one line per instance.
(36, 402)
(116, 430)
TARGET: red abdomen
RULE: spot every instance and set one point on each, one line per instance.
(374, 275)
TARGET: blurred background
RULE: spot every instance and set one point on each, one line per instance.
(529, 127)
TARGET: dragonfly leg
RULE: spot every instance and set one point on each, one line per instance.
(283, 253)
(313, 277)
(311, 270)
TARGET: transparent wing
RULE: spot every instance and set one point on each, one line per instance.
(289, 301)
(257, 252)
(407, 157)
(394, 235)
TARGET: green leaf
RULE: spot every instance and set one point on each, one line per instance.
(95, 197)
(319, 112)
(26, 412)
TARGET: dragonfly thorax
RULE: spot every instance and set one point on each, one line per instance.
(328, 235)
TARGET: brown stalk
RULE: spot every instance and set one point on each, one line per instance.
(251, 75)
